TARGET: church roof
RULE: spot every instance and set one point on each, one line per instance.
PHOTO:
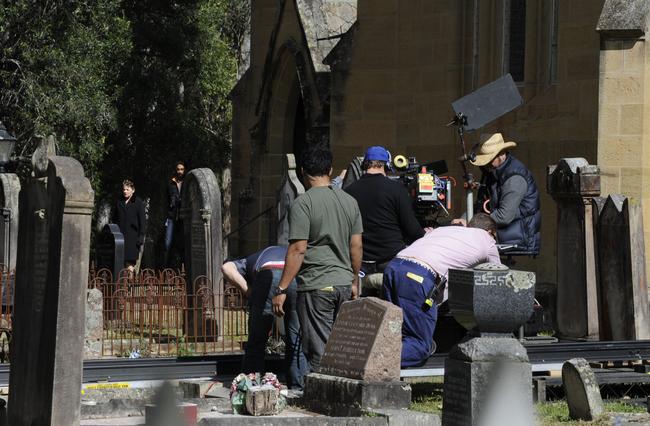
(324, 21)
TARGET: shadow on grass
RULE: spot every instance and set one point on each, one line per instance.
(427, 397)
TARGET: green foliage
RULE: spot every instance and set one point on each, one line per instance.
(127, 86)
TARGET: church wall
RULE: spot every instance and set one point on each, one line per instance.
(411, 58)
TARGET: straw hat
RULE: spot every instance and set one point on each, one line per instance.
(490, 146)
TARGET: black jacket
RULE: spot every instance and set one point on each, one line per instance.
(131, 220)
(174, 200)
(389, 223)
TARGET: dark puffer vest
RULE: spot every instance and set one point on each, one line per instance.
(524, 230)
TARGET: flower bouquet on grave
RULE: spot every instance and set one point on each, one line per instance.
(243, 382)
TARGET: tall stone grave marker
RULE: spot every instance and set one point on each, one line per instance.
(488, 377)
(109, 249)
(360, 368)
(9, 189)
(622, 278)
(573, 183)
(51, 280)
(201, 215)
(289, 190)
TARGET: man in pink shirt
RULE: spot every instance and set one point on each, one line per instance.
(410, 279)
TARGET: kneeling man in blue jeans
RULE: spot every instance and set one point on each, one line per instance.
(258, 276)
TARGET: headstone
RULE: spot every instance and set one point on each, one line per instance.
(488, 377)
(51, 276)
(365, 342)
(94, 324)
(573, 183)
(262, 400)
(622, 274)
(289, 190)
(109, 250)
(9, 190)
(360, 368)
(581, 390)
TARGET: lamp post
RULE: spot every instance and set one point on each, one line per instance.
(7, 143)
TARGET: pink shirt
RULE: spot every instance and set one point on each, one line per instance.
(453, 247)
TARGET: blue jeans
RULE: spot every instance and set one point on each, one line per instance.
(406, 284)
(169, 233)
(260, 322)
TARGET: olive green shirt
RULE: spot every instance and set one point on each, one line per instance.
(327, 218)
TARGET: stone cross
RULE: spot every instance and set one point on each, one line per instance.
(289, 190)
(622, 274)
(51, 279)
(9, 190)
(573, 183)
(201, 215)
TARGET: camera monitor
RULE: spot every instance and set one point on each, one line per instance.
(489, 102)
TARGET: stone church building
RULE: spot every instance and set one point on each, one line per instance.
(366, 72)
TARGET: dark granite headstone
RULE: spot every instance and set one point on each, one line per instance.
(201, 215)
(289, 190)
(488, 377)
(360, 368)
(51, 278)
(622, 274)
(573, 183)
(109, 249)
(9, 190)
(366, 341)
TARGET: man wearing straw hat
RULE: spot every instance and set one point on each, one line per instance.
(508, 193)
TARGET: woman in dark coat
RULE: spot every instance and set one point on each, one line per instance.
(130, 219)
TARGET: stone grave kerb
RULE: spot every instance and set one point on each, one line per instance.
(573, 183)
(51, 279)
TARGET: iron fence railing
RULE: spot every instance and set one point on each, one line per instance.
(153, 314)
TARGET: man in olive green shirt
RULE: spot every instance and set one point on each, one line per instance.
(324, 253)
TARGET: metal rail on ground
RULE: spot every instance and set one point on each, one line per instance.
(542, 356)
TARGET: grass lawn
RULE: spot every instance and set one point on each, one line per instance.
(427, 398)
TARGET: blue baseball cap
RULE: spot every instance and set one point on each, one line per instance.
(377, 153)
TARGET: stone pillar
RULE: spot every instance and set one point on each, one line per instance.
(9, 189)
(51, 280)
(488, 377)
(289, 190)
(573, 183)
(622, 272)
(624, 103)
(201, 214)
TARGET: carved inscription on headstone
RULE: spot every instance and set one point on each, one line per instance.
(366, 341)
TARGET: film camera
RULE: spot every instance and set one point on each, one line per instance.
(425, 183)
(427, 186)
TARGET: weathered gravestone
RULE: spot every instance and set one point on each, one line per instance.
(94, 324)
(360, 368)
(488, 377)
(109, 250)
(9, 189)
(621, 265)
(573, 183)
(51, 279)
(289, 190)
(201, 215)
(581, 390)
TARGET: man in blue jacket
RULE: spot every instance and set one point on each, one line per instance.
(258, 276)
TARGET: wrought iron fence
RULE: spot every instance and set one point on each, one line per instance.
(154, 314)
(7, 281)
